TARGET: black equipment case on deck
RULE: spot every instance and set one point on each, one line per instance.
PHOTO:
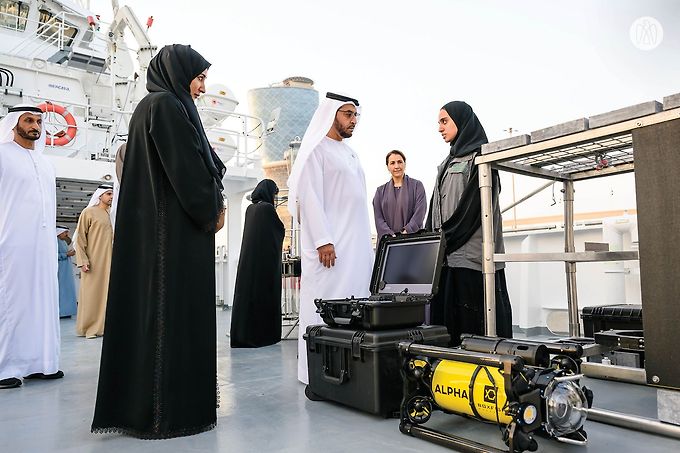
(607, 317)
(405, 278)
(362, 369)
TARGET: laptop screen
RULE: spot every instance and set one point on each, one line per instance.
(409, 267)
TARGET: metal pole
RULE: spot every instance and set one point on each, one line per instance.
(284, 284)
(570, 266)
(461, 355)
(644, 424)
(448, 440)
(527, 196)
(488, 268)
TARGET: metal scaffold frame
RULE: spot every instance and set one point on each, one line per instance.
(567, 159)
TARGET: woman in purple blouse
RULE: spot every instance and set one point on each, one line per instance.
(399, 205)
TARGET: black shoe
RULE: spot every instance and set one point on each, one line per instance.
(10, 383)
(58, 375)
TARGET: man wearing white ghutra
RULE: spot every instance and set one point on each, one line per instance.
(327, 196)
(29, 291)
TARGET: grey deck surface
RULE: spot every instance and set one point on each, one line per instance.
(263, 409)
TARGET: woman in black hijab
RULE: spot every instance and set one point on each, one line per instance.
(455, 209)
(256, 315)
(158, 373)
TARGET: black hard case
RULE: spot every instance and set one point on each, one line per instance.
(362, 369)
(400, 310)
(607, 317)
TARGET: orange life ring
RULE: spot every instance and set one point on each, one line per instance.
(61, 138)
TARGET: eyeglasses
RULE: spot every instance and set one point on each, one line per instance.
(350, 113)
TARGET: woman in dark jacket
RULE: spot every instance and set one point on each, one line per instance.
(456, 210)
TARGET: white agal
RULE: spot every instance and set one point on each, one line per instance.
(216, 104)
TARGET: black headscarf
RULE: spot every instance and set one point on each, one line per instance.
(172, 70)
(265, 191)
(466, 219)
(471, 135)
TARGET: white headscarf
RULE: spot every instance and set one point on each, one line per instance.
(10, 121)
(61, 229)
(318, 128)
(101, 190)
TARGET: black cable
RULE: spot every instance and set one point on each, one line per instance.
(11, 82)
(9, 76)
(253, 129)
(473, 380)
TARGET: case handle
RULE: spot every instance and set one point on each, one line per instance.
(335, 380)
(343, 375)
(330, 315)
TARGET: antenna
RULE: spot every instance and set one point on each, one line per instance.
(273, 119)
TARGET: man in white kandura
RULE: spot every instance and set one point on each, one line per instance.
(29, 290)
(327, 197)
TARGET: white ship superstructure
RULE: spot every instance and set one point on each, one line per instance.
(89, 76)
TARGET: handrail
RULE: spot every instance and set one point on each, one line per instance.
(51, 32)
(242, 158)
(39, 36)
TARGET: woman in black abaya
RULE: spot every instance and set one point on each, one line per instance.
(158, 374)
(256, 315)
(456, 210)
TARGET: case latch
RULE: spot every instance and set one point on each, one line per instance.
(357, 339)
(314, 332)
(416, 335)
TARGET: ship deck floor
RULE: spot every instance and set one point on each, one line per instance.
(263, 409)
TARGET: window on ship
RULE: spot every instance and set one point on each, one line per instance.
(50, 27)
(13, 15)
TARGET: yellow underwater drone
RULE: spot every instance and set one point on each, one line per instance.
(512, 383)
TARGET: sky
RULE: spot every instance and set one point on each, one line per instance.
(523, 65)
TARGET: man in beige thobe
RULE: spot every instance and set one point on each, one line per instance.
(94, 240)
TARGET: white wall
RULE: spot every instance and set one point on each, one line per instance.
(539, 289)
